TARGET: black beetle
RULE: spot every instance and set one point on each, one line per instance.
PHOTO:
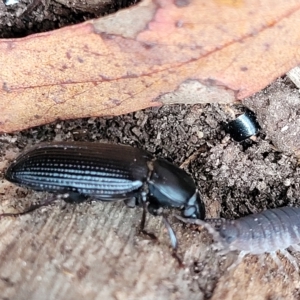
(243, 127)
(107, 172)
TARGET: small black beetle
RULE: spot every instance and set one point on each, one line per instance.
(107, 172)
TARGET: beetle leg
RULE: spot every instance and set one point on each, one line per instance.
(171, 232)
(174, 241)
(69, 197)
(131, 202)
(74, 197)
(143, 223)
(31, 208)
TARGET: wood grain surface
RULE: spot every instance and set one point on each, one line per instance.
(95, 251)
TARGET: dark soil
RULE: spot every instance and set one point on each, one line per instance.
(235, 179)
(33, 16)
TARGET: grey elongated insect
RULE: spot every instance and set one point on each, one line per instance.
(267, 232)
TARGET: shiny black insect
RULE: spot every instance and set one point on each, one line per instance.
(107, 172)
(243, 126)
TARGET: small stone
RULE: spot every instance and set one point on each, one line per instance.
(200, 134)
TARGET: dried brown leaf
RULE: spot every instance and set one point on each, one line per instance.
(162, 51)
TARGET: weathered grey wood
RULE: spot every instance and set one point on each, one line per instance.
(93, 251)
(88, 251)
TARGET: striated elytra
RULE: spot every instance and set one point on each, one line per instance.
(106, 172)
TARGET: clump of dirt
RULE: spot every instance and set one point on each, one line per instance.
(278, 110)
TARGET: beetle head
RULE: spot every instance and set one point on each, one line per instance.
(195, 207)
